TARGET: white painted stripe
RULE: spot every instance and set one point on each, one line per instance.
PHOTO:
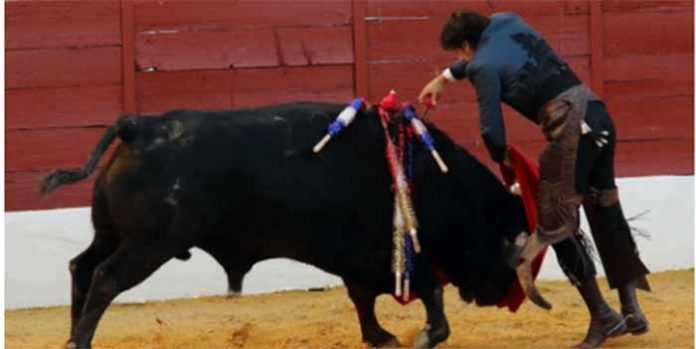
(669, 222)
(39, 245)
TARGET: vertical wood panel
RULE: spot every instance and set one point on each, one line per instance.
(128, 54)
(660, 33)
(48, 149)
(360, 48)
(22, 192)
(211, 14)
(597, 46)
(257, 87)
(72, 64)
(62, 107)
(62, 67)
(57, 24)
(204, 89)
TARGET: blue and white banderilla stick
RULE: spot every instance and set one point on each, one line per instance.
(423, 134)
(342, 121)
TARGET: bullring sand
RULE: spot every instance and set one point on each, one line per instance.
(327, 319)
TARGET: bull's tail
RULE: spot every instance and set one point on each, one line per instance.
(62, 177)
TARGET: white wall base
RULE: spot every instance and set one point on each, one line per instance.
(39, 245)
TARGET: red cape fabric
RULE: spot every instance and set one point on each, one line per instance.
(526, 173)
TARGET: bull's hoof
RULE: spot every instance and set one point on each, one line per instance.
(422, 341)
(637, 323)
(72, 345)
(382, 339)
(611, 325)
(429, 338)
(391, 343)
(234, 294)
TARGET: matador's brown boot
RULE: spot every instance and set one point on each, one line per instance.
(604, 321)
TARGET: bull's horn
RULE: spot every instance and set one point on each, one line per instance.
(524, 272)
(514, 256)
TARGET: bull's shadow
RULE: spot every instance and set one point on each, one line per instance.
(245, 186)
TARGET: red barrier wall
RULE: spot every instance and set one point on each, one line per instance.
(73, 67)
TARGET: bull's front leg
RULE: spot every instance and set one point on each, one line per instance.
(372, 332)
(436, 329)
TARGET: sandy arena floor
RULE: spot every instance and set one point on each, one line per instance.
(328, 320)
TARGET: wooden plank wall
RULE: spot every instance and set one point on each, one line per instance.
(72, 67)
(648, 71)
(238, 54)
(62, 86)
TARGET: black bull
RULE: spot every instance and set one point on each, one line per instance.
(244, 186)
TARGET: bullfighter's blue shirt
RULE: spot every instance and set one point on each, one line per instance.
(513, 64)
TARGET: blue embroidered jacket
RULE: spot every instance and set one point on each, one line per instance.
(513, 64)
